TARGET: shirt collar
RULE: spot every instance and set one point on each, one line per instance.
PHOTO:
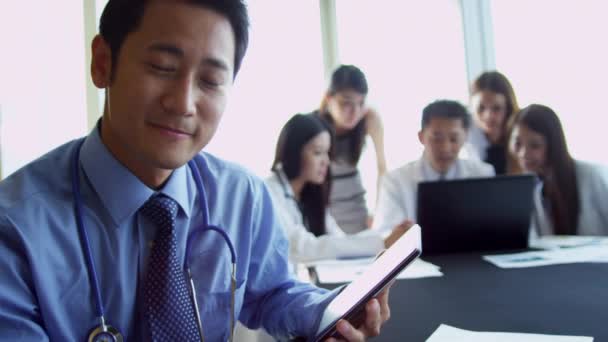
(429, 174)
(120, 191)
(287, 190)
(178, 186)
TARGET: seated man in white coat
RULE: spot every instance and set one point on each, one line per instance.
(444, 130)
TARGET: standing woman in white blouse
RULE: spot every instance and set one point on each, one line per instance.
(571, 196)
(300, 186)
(493, 103)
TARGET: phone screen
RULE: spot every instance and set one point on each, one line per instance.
(350, 303)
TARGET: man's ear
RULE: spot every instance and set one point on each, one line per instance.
(421, 137)
(101, 62)
(325, 101)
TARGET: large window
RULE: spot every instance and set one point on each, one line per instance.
(554, 53)
(412, 54)
(42, 78)
(282, 75)
(43, 101)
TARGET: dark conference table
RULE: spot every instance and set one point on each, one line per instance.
(473, 294)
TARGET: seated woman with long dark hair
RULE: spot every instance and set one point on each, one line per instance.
(300, 186)
(571, 196)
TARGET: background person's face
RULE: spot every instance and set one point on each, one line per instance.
(442, 139)
(169, 89)
(346, 108)
(490, 112)
(529, 149)
(315, 159)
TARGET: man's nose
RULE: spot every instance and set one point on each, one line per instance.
(180, 97)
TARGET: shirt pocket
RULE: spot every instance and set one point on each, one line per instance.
(215, 310)
(211, 270)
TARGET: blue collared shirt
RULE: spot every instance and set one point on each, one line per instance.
(46, 293)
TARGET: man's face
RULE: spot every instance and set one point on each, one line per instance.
(442, 139)
(169, 88)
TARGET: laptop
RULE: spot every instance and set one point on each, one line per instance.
(475, 214)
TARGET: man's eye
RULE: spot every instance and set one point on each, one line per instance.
(162, 68)
(210, 83)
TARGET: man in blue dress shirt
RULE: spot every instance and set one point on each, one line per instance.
(167, 67)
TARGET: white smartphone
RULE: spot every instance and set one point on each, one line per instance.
(350, 303)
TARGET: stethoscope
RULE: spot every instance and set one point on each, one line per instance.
(105, 332)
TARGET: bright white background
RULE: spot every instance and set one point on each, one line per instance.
(42, 78)
(555, 53)
(412, 52)
(282, 75)
(419, 59)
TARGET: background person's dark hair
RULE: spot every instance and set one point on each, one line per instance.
(348, 77)
(498, 83)
(314, 199)
(446, 109)
(560, 185)
(121, 17)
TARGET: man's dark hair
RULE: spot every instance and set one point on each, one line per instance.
(121, 17)
(446, 109)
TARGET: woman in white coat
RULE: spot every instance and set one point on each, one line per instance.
(571, 196)
(300, 186)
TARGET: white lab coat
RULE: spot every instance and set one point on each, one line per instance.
(304, 246)
(592, 183)
(398, 192)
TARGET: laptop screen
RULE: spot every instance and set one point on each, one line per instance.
(475, 214)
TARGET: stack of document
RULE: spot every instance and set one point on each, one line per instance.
(344, 271)
(557, 250)
(446, 333)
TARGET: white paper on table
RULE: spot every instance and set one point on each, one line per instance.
(446, 333)
(587, 253)
(344, 271)
(567, 241)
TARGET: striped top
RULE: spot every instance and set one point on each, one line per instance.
(347, 202)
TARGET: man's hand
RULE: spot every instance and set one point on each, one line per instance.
(377, 313)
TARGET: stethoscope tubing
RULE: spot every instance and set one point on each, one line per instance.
(84, 236)
(92, 271)
(198, 181)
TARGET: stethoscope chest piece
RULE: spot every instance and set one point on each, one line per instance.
(105, 333)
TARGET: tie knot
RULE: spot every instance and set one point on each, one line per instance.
(161, 209)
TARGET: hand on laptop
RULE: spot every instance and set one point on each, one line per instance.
(397, 232)
(377, 313)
